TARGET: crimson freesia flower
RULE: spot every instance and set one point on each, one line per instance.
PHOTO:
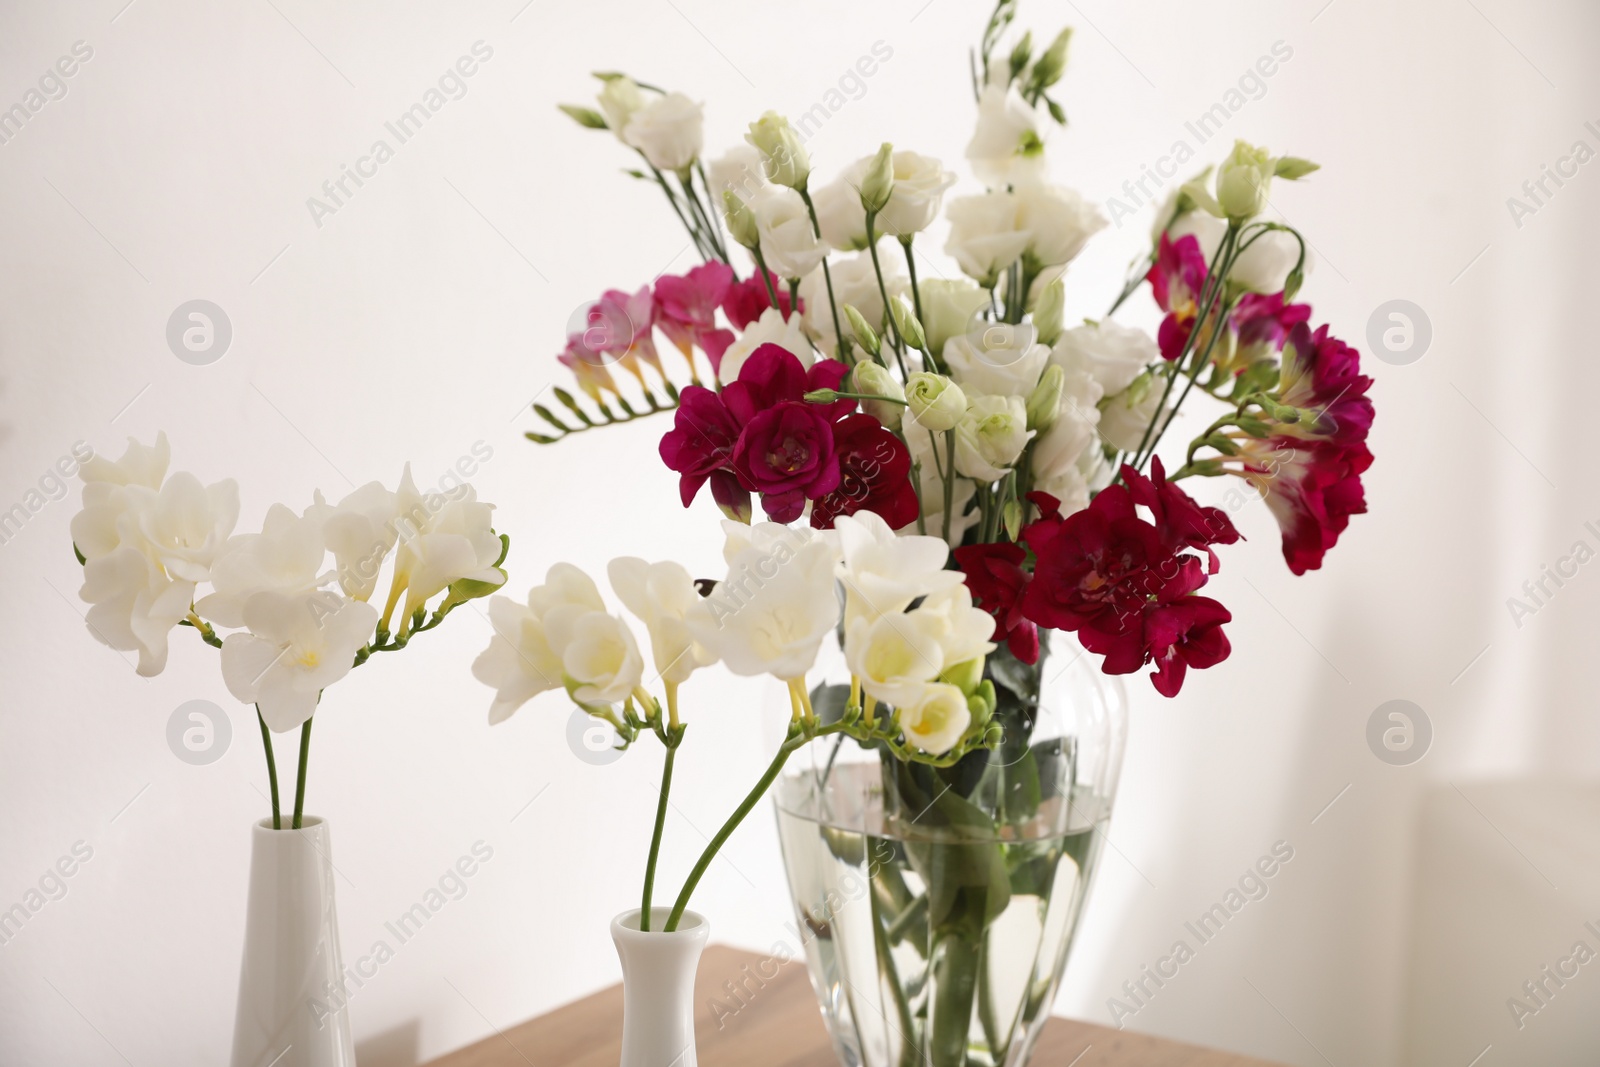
(874, 475)
(686, 309)
(1176, 279)
(701, 440)
(996, 578)
(786, 454)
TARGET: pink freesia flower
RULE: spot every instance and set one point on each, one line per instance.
(686, 309)
(1176, 279)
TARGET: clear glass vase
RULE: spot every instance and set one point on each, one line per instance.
(938, 906)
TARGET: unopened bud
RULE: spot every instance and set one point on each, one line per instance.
(865, 334)
(1044, 403)
(1049, 311)
(878, 185)
(905, 321)
(741, 220)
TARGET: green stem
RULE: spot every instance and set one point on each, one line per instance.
(792, 742)
(655, 839)
(272, 768)
(827, 276)
(916, 298)
(300, 778)
(883, 291)
(766, 275)
(716, 218)
(950, 478)
(672, 198)
(890, 976)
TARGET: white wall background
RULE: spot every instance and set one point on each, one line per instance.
(423, 316)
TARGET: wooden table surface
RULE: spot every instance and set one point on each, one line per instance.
(781, 1027)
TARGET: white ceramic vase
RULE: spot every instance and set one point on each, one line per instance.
(658, 972)
(292, 997)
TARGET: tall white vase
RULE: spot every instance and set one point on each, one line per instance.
(291, 1009)
(658, 987)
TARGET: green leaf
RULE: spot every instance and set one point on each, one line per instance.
(829, 702)
(1057, 112)
(586, 117)
(75, 552)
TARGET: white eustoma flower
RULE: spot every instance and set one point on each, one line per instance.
(854, 283)
(1058, 220)
(991, 436)
(619, 99)
(1058, 455)
(937, 719)
(360, 530)
(660, 595)
(962, 630)
(930, 487)
(1125, 417)
(285, 557)
(186, 523)
(1109, 352)
(669, 130)
(934, 402)
(986, 235)
(919, 186)
(771, 328)
(442, 539)
(739, 170)
(950, 308)
(1264, 267)
(600, 661)
(1008, 144)
(883, 573)
(520, 662)
(1204, 227)
(134, 604)
(997, 359)
(895, 655)
(840, 216)
(772, 612)
(295, 648)
(788, 245)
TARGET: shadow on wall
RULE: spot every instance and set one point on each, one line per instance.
(398, 1046)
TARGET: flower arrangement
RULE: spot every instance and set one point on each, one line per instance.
(148, 541)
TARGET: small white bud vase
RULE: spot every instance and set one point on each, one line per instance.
(658, 972)
(291, 1009)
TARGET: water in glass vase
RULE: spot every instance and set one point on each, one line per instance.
(936, 932)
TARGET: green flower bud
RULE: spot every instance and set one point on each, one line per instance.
(783, 154)
(865, 334)
(741, 220)
(1050, 66)
(965, 675)
(906, 321)
(1044, 403)
(1243, 181)
(1049, 311)
(871, 379)
(878, 185)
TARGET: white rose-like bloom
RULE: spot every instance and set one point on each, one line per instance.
(1125, 417)
(1109, 352)
(739, 170)
(895, 656)
(186, 523)
(937, 720)
(600, 661)
(1008, 144)
(619, 98)
(934, 403)
(991, 436)
(950, 308)
(986, 235)
(1059, 222)
(787, 243)
(295, 648)
(134, 605)
(997, 359)
(854, 283)
(109, 517)
(285, 557)
(443, 539)
(659, 595)
(669, 130)
(772, 612)
(771, 328)
(882, 573)
(1058, 454)
(360, 531)
(840, 216)
(1204, 227)
(1264, 267)
(930, 488)
(520, 662)
(919, 186)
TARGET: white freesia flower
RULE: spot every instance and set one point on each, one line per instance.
(894, 655)
(669, 130)
(840, 216)
(997, 358)
(950, 308)
(112, 501)
(1264, 267)
(986, 235)
(739, 170)
(962, 630)
(777, 604)
(930, 487)
(659, 595)
(771, 328)
(937, 720)
(520, 662)
(186, 523)
(1008, 144)
(1058, 220)
(295, 648)
(360, 531)
(452, 540)
(919, 186)
(600, 661)
(619, 99)
(854, 283)
(1109, 352)
(140, 464)
(883, 573)
(1125, 417)
(134, 605)
(991, 436)
(787, 243)
(285, 557)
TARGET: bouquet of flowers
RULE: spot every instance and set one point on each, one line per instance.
(948, 470)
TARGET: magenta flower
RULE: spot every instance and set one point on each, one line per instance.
(686, 309)
(700, 442)
(746, 300)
